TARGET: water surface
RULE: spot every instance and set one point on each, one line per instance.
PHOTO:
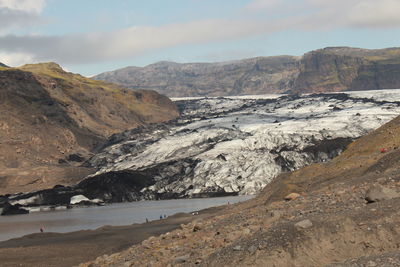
(94, 217)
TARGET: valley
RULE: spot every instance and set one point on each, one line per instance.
(221, 147)
(199, 133)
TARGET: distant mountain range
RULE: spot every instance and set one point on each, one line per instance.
(330, 69)
(51, 121)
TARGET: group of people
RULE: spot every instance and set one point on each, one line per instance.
(161, 217)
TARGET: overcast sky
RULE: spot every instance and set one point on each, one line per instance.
(93, 36)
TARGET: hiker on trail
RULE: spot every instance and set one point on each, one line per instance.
(160, 217)
(41, 229)
(165, 216)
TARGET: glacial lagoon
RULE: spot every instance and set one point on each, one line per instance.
(94, 217)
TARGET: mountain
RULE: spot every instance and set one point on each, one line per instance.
(325, 70)
(249, 76)
(51, 121)
(3, 65)
(339, 213)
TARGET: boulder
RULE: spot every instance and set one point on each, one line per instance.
(237, 248)
(292, 196)
(304, 224)
(78, 199)
(378, 193)
(76, 158)
(97, 201)
(182, 259)
(196, 228)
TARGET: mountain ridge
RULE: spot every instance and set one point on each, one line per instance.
(51, 120)
(329, 69)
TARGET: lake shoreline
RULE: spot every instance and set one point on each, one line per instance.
(40, 249)
(94, 217)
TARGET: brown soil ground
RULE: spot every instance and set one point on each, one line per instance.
(69, 249)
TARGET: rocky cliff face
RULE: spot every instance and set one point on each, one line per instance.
(325, 70)
(250, 76)
(51, 120)
(346, 69)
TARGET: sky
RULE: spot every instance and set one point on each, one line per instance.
(94, 36)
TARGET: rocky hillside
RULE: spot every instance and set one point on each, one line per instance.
(3, 65)
(250, 76)
(51, 120)
(339, 213)
(324, 70)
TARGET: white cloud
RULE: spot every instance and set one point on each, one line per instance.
(15, 59)
(353, 13)
(322, 14)
(19, 13)
(11, 19)
(26, 6)
(128, 42)
(375, 14)
(259, 5)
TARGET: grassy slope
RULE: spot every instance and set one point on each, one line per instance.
(145, 106)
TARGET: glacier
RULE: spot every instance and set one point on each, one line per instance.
(237, 145)
(223, 146)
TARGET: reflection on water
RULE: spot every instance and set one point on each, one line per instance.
(94, 217)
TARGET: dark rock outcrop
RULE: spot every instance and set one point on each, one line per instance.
(76, 158)
(9, 209)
